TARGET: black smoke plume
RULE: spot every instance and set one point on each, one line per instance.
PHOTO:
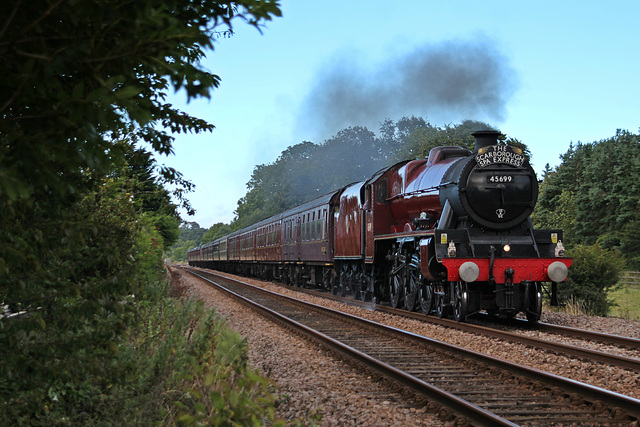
(444, 83)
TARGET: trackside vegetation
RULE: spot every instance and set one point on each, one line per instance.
(176, 364)
(88, 334)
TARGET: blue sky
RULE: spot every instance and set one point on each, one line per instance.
(568, 71)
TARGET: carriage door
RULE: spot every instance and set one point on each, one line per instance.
(298, 233)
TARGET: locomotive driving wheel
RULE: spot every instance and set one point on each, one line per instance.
(412, 287)
(366, 285)
(534, 311)
(425, 297)
(397, 279)
(441, 300)
(461, 301)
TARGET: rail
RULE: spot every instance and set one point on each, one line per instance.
(445, 373)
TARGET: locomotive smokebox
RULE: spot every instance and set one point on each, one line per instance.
(485, 138)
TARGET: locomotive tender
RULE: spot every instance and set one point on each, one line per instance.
(448, 234)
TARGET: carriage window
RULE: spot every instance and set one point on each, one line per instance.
(304, 228)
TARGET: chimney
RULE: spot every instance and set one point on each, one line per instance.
(485, 138)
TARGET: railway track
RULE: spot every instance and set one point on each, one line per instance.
(479, 389)
(577, 351)
(627, 342)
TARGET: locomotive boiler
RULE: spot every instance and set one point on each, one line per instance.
(450, 234)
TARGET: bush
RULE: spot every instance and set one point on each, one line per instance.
(176, 364)
(594, 273)
(193, 368)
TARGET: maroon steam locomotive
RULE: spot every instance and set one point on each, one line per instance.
(449, 234)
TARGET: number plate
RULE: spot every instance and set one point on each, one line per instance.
(500, 179)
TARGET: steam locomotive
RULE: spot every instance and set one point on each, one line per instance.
(450, 234)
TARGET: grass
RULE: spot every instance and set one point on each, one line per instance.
(627, 300)
(574, 306)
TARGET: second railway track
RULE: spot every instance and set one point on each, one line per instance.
(482, 389)
(630, 347)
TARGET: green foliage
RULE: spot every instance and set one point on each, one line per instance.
(85, 215)
(630, 243)
(215, 231)
(68, 271)
(176, 364)
(180, 251)
(77, 71)
(191, 230)
(593, 275)
(562, 214)
(420, 141)
(192, 235)
(594, 195)
(222, 390)
(189, 236)
(149, 250)
(186, 361)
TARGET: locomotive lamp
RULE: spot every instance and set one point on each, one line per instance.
(559, 249)
(451, 250)
(506, 248)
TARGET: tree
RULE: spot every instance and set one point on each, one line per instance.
(608, 197)
(139, 176)
(216, 231)
(594, 194)
(180, 250)
(420, 140)
(84, 214)
(557, 195)
(278, 186)
(353, 154)
(76, 72)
